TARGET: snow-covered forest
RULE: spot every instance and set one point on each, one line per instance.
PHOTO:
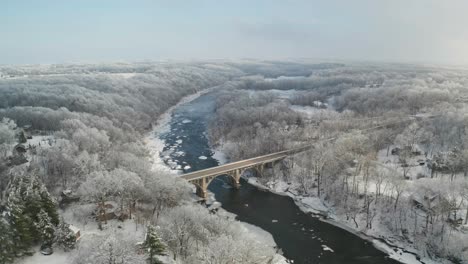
(76, 177)
(389, 159)
(390, 154)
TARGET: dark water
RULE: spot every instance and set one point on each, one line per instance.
(299, 235)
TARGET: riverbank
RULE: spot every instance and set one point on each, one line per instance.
(396, 250)
(156, 145)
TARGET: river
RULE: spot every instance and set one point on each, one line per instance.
(301, 237)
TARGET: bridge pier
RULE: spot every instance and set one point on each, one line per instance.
(235, 177)
(260, 169)
(202, 188)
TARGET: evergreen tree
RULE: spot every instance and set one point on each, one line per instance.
(153, 244)
(65, 238)
(21, 223)
(32, 212)
(48, 203)
(45, 228)
(7, 246)
(36, 197)
(32, 203)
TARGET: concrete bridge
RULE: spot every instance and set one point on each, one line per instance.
(202, 178)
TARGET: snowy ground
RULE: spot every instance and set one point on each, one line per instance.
(87, 230)
(315, 206)
(59, 257)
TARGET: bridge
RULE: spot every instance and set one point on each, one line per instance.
(202, 178)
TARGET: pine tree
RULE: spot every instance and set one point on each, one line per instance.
(153, 244)
(48, 202)
(65, 238)
(36, 197)
(32, 213)
(21, 223)
(7, 246)
(45, 228)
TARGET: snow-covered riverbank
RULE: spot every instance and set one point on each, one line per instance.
(380, 239)
(156, 145)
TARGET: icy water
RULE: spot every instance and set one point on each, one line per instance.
(300, 236)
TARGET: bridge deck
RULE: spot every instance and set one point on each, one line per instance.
(229, 167)
(225, 168)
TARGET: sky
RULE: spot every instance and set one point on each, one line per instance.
(60, 31)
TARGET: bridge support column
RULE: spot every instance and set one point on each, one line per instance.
(235, 176)
(202, 189)
(260, 169)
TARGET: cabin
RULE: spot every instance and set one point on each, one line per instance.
(76, 231)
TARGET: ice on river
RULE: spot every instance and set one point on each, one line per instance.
(326, 248)
(179, 153)
(202, 157)
(186, 121)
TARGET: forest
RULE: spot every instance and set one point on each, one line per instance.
(72, 155)
(389, 156)
(389, 147)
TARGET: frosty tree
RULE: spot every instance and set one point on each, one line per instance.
(21, 223)
(7, 246)
(45, 228)
(153, 243)
(7, 135)
(65, 238)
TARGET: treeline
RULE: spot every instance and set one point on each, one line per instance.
(397, 163)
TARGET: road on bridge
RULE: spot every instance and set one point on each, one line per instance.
(219, 170)
(248, 163)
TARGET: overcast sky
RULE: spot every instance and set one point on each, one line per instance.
(49, 31)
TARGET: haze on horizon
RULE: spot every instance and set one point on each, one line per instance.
(52, 31)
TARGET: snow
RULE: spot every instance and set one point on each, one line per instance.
(257, 233)
(44, 141)
(123, 75)
(310, 111)
(58, 257)
(74, 229)
(155, 145)
(316, 206)
(282, 78)
(326, 248)
(400, 255)
(312, 204)
(219, 156)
